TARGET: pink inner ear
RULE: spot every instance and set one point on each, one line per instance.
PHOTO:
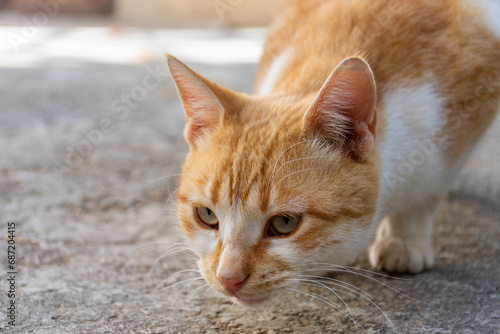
(203, 109)
(351, 90)
(345, 107)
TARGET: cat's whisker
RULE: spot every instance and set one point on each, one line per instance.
(326, 301)
(168, 200)
(209, 288)
(179, 292)
(316, 283)
(193, 270)
(213, 297)
(169, 252)
(185, 286)
(335, 268)
(358, 293)
(177, 273)
(341, 289)
(329, 265)
(174, 250)
(273, 176)
(158, 179)
(174, 247)
(304, 299)
(136, 248)
(170, 213)
(188, 280)
(205, 285)
(371, 302)
(293, 173)
(281, 154)
(340, 283)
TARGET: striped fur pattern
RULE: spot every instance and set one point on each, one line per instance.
(364, 113)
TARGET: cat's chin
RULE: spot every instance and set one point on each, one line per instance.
(251, 301)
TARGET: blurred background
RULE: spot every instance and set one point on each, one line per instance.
(93, 27)
(154, 12)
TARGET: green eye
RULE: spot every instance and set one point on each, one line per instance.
(283, 225)
(207, 216)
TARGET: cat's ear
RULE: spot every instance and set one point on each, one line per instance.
(343, 113)
(204, 110)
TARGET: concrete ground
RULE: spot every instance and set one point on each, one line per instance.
(90, 128)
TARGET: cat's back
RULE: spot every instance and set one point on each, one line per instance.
(445, 51)
(401, 39)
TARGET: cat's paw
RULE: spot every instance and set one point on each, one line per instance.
(397, 255)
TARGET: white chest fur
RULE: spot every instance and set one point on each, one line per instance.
(411, 162)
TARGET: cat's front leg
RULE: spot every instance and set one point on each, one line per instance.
(404, 241)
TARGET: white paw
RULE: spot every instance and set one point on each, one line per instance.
(397, 255)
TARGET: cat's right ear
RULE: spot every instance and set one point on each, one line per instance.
(343, 113)
(204, 111)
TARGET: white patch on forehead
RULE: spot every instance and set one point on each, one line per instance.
(242, 224)
(241, 230)
(228, 222)
(273, 72)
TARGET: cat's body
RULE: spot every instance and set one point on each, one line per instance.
(303, 172)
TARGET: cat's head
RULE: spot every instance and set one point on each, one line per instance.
(276, 186)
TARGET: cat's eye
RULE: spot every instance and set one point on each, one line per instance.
(283, 225)
(207, 216)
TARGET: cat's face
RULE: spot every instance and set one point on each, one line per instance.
(265, 196)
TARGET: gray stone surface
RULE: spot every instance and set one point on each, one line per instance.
(96, 230)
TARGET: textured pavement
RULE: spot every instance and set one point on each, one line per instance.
(90, 128)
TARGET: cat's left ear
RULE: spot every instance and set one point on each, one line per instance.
(343, 113)
(204, 102)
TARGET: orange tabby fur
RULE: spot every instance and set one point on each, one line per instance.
(371, 28)
(255, 157)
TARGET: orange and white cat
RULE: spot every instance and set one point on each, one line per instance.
(364, 113)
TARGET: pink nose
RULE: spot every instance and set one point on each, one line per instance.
(234, 283)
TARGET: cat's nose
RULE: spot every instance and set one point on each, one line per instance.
(233, 283)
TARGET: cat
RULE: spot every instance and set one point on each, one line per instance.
(364, 113)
